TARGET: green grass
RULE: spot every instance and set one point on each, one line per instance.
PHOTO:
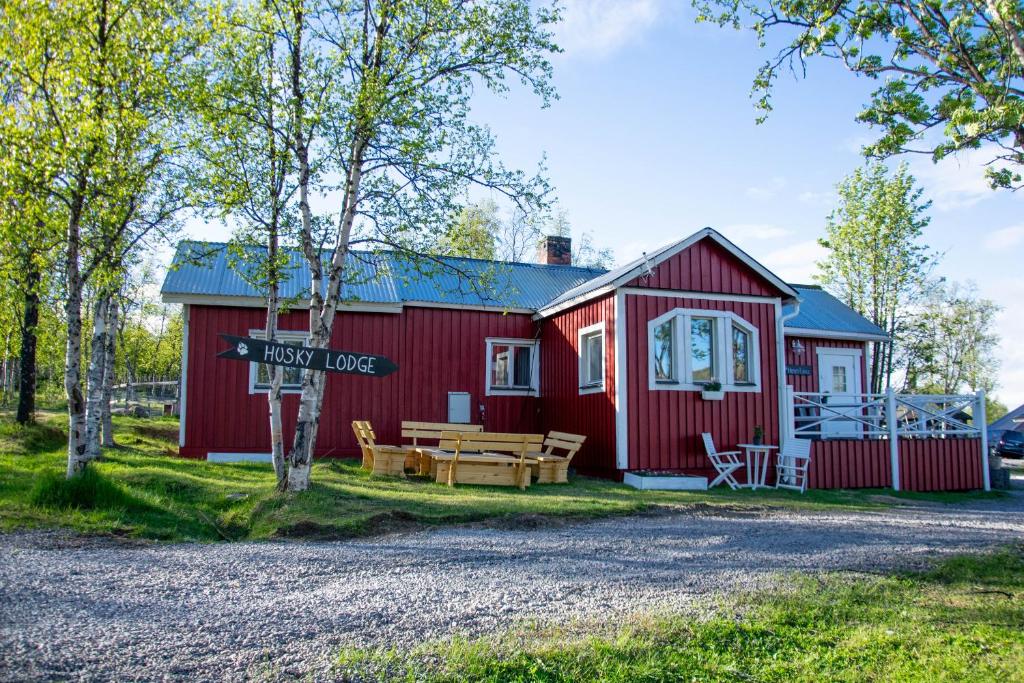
(141, 489)
(963, 621)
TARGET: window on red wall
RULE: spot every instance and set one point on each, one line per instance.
(689, 348)
(512, 367)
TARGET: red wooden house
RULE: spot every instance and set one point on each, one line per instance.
(621, 356)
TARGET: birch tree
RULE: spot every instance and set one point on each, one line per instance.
(397, 134)
(96, 78)
(950, 72)
(876, 262)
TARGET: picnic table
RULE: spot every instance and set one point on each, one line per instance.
(757, 456)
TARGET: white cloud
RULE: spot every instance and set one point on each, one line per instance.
(630, 251)
(1005, 238)
(767, 190)
(746, 232)
(956, 182)
(795, 262)
(599, 27)
(828, 198)
(1009, 293)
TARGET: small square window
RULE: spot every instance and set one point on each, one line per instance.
(261, 374)
(591, 358)
(511, 366)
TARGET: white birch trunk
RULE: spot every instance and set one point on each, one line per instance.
(77, 457)
(274, 396)
(109, 357)
(94, 378)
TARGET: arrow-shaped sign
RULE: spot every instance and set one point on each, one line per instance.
(304, 357)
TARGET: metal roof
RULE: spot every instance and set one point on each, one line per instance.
(211, 269)
(821, 311)
(1012, 420)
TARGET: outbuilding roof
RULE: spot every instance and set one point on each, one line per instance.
(820, 312)
(209, 271)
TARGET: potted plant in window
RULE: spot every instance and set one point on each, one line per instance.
(758, 435)
(712, 391)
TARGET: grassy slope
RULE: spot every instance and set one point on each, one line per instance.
(963, 621)
(140, 490)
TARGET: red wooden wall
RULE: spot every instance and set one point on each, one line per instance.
(925, 464)
(437, 351)
(562, 407)
(810, 357)
(707, 267)
(665, 426)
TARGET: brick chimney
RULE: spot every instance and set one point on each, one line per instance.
(555, 250)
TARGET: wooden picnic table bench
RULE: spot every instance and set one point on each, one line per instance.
(426, 436)
(493, 458)
(552, 465)
(379, 459)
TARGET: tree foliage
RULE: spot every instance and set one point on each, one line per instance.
(951, 72)
(876, 262)
(950, 342)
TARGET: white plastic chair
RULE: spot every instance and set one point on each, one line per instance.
(791, 468)
(724, 462)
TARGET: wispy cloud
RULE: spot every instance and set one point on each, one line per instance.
(597, 28)
(1009, 323)
(1005, 238)
(766, 190)
(957, 181)
(817, 198)
(746, 232)
(795, 262)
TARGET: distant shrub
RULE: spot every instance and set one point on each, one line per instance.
(90, 490)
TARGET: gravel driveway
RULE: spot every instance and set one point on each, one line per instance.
(74, 608)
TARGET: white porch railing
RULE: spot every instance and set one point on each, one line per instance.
(891, 416)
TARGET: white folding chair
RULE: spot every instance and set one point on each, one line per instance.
(724, 462)
(791, 468)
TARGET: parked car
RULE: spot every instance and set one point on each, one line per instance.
(1010, 445)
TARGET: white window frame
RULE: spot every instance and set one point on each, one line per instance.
(534, 388)
(281, 336)
(596, 330)
(681, 357)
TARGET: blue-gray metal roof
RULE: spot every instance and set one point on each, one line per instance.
(821, 311)
(211, 269)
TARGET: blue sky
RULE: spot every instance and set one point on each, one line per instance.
(654, 137)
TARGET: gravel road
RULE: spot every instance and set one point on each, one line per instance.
(81, 609)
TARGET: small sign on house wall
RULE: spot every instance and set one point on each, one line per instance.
(799, 370)
(306, 358)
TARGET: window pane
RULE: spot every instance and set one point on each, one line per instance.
(701, 344)
(522, 366)
(740, 355)
(595, 359)
(292, 377)
(839, 379)
(500, 360)
(663, 343)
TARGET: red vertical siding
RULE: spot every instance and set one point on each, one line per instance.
(925, 464)
(665, 425)
(437, 351)
(562, 407)
(809, 356)
(707, 267)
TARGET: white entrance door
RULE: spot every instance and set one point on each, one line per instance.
(839, 381)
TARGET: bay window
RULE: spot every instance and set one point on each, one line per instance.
(712, 346)
(511, 367)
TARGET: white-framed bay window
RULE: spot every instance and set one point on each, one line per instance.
(260, 374)
(513, 367)
(590, 348)
(690, 347)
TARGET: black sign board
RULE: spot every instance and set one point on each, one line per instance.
(274, 353)
(801, 370)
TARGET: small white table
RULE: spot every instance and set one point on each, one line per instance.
(757, 456)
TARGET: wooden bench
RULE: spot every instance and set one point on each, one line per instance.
(388, 460)
(551, 467)
(491, 458)
(426, 436)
